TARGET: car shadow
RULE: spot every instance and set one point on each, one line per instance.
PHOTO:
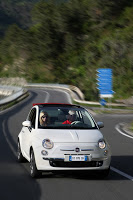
(121, 163)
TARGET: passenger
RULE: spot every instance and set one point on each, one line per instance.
(70, 118)
(44, 118)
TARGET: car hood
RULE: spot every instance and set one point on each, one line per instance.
(66, 136)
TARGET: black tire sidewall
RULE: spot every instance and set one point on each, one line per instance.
(35, 173)
(20, 158)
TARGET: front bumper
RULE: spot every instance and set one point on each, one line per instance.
(58, 158)
(63, 166)
(62, 163)
(53, 164)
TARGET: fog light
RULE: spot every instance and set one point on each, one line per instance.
(105, 152)
(44, 153)
(99, 163)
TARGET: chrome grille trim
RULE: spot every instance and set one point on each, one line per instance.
(87, 149)
(67, 149)
(74, 149)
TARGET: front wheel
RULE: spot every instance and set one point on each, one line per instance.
(19, 154)
(34, 172)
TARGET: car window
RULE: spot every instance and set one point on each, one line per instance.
(32, 117)
(87, 119)
(66, 118)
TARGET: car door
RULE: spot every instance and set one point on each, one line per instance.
(28, 131)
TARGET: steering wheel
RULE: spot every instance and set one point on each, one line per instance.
(76, 122)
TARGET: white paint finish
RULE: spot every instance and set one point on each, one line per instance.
(66, 135)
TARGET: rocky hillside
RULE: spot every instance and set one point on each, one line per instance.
(15, 12)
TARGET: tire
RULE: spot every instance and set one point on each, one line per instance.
(19, 154)
(33, 169)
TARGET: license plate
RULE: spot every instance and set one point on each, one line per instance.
(77, 158)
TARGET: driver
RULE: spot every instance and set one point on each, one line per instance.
(70, 118)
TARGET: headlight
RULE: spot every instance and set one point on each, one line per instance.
(47, 143)
(101, 144)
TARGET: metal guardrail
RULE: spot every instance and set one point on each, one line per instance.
(10, 93)
(16, 92)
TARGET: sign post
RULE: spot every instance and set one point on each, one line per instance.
(104, 83)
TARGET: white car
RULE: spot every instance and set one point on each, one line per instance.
(58, 137)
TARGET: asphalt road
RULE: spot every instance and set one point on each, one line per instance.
(16, 183)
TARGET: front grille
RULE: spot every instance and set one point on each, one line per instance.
(75, 164)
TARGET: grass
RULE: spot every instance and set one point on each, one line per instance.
(131, 126)
(106, 109)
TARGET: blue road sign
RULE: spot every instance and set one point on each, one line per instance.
(103, 102)
(104, 81)
(104, 70)
(104, 75)
(104, 88)
(107, 73)
(106, 92)
(101, 84)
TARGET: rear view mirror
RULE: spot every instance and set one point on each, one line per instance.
(100, 124)
(27, 123)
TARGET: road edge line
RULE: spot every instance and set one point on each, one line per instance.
(117, 128)
(122, 173)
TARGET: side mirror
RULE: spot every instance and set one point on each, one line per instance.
(100, 124)
(27, 123)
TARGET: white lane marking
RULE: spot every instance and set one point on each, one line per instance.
(47, 97)
(8, 141)
(122, 173)
(11, 146)
(67, 94)
(68, 97)
(117, 128)
(59, 90)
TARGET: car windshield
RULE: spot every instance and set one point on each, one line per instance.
(61, 117)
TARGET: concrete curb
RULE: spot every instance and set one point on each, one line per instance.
(126, 128)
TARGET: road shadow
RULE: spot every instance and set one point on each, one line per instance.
(122, 163)
(15, 182)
